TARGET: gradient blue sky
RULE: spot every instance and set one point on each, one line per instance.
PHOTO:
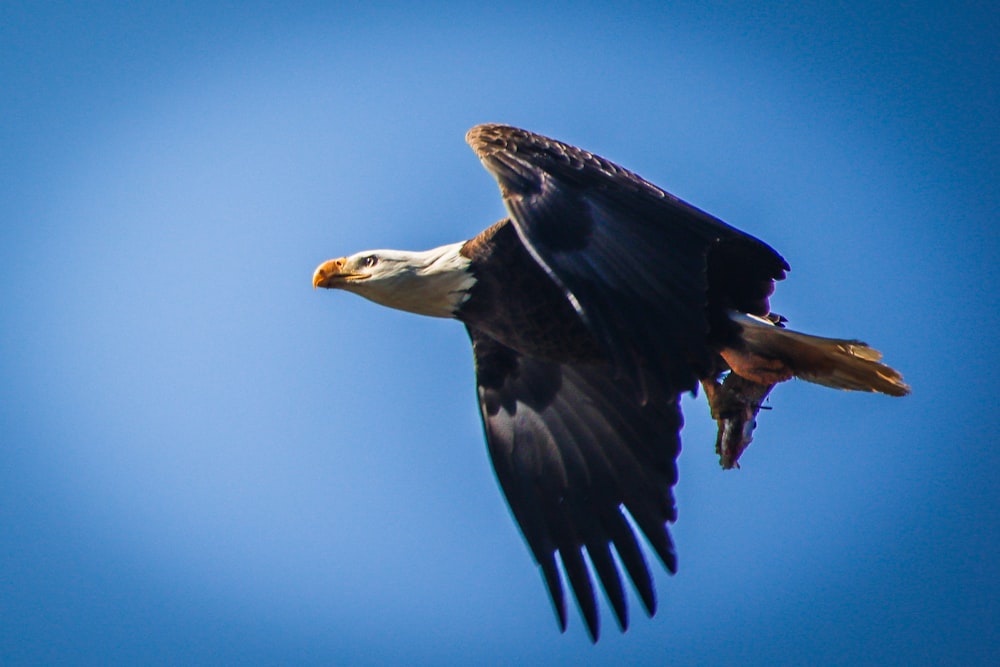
(204, 461)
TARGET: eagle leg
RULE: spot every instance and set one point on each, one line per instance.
(756, 367)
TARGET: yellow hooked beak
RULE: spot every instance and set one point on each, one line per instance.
(331, 273)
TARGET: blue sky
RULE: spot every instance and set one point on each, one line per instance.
(205, 461)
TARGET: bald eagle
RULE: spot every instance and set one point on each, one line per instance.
(591, 308)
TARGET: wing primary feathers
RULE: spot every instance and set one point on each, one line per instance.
(632, 558)
(656, 532)
(553, 582)
(604, 563)
(575, 455)
(583, 588)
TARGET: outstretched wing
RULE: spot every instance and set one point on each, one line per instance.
(632, 258)
(571, 448)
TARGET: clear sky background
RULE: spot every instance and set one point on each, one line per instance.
(205, 461)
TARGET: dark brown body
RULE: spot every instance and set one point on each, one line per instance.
(545, 326)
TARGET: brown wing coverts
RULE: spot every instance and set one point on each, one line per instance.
(570, 447)
(632, 258)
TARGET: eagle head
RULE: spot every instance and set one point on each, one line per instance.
(433, 282)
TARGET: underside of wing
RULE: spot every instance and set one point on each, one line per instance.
(633, 259)
(573, 451)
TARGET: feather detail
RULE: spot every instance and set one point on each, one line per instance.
(831, 362)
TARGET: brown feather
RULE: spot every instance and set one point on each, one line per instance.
(831, 362)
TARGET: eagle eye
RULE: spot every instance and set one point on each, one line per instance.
(370, 261)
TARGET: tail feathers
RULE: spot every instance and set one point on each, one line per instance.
(841, 364)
